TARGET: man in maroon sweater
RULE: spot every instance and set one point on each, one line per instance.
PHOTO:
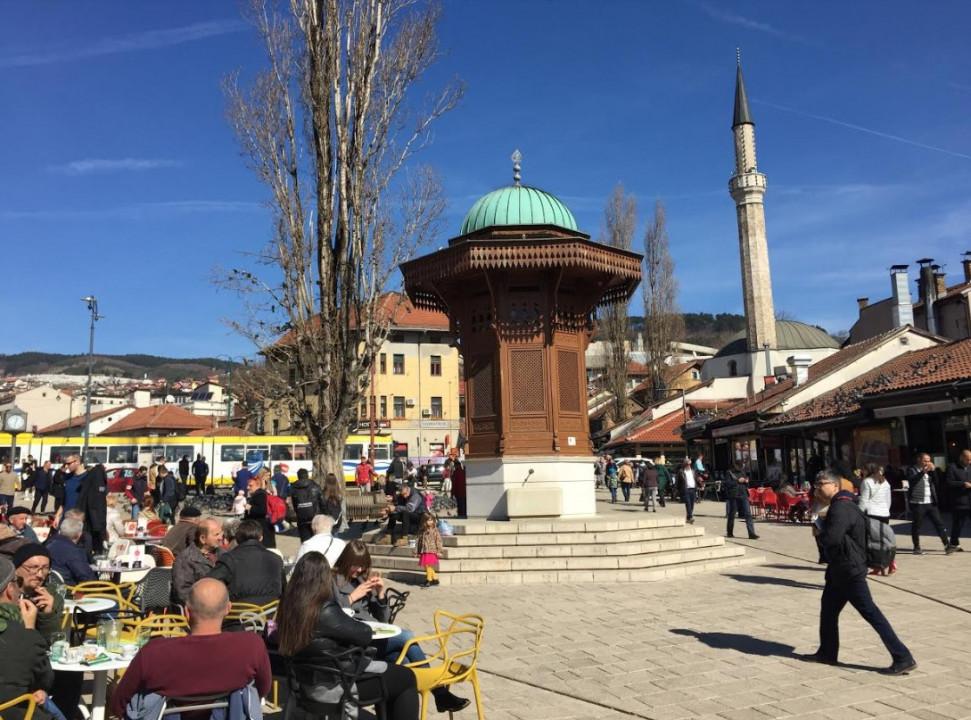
(208, 661)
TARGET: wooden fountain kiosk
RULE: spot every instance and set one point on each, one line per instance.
(519, 285)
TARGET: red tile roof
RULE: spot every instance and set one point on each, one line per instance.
(916, 369)
(159, 417)
(664, 430)
(77, 421)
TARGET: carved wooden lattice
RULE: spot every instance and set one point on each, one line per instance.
(528, 383)
(568, 371)
(483, 394)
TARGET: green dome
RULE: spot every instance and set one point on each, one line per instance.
(789, 335)
(518, 205)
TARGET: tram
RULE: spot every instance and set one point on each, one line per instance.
(225, 454)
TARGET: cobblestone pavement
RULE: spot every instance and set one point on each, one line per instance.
(718, 646)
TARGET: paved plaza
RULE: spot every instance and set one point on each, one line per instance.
(717, 646)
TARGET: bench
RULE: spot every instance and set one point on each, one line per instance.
(364, 508)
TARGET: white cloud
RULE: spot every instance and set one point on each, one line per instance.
(145, 40)
(102, 165)
(732, 18)
(138, 211)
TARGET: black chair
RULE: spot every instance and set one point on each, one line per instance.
(153, 593)
(396, 602)
(333, 670)
(194, 705)
(83, 621)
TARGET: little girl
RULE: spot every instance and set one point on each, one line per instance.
(239, 504)
(429, 547)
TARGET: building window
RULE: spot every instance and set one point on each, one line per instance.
(363, 413)
(292, 375)
(399, 406)
(383, 364)
(436, 407)
(436, 364)
(384, 406)
(398, 366)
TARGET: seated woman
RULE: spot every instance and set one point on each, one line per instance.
(357, 588)
(148, 508)
(115, 520)
(310, 622)
(800, 506)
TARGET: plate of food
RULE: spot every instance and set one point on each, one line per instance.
(383, 631)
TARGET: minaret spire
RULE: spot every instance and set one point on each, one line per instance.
(742, 114)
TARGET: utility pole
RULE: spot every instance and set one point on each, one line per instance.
(92, 302)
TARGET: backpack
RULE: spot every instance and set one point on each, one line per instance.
(276, 508)
(306, 501)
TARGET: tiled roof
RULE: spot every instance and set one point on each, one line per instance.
(664, 430)
(768, 398)
(916, 369)
(670, 373)
(77, 421)
(159, 417)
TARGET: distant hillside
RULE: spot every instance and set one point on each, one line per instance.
(702, 328)
(128, 366)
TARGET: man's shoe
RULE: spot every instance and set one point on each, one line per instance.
(901, 667)
(447, 702)
(729, 535)
(918, 551)
(753, 537)
(957, 548)
(816, 657)
(949, 549)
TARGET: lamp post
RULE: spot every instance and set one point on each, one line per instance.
(92, 303)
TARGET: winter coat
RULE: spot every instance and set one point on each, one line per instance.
(843, 538)
(957, 475)
(191, 565)
(93, 499)
(24, 665)
(251, 572)
(307, 499)
(40, 479)
(70, 560)
(918, 478)
(429, 541)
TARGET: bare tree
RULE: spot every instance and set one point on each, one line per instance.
(663, 323)
(620, 219)
(330, 127)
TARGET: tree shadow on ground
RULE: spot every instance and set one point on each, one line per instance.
(786, 582)
(742, 643)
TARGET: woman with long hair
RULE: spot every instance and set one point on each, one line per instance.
(333, 498)
(363, 591)
(310, 622)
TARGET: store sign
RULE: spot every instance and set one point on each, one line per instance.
(435, 424)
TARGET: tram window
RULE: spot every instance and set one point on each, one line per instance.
(281, 452)
(123, 454)
(352, 451)
(59, 453)
(153, 450)
(301, 452)
(255, 453)
(96, 456)
(174, 453)
(381, 452)
(231, 453)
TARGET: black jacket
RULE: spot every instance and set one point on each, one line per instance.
(93, 500)
(307, 500)
(334, 633)
(252, 573)
(843, 537)
(259, 511)
(917, 477)
(40, 479)
(24, 666)
(957, 475)
(57, 486)
(732, 487)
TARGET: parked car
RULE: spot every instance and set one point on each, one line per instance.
(118, 478)
(434, 472)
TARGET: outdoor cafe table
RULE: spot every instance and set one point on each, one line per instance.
(100, 673)
(90, 605)
(116, 571)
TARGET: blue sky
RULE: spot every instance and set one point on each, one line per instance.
(121, 178)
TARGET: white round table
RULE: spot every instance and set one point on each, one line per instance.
(100, 673)
(90, 605)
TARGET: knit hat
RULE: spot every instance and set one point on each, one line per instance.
(18, 510)
(28, 551)
(190, 511)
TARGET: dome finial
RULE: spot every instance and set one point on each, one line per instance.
(516, 158)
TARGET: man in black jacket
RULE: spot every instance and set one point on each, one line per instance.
(843, 536)
(93, 502)
(252, 573)
(307, 501)
(923, 501)
(959, 483)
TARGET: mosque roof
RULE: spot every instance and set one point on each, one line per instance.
(789, 335)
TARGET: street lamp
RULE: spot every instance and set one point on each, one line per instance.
(92, 303)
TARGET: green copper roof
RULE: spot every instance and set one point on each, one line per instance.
(789, 335)
(518, 205)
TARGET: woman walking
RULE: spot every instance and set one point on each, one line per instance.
(875, 503)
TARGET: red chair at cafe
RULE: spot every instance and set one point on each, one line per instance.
(755, 500)
(770, 503)
(783, 505)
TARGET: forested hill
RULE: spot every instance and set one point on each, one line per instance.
(130, 366)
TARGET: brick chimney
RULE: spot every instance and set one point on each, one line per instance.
(966, 264)
(903, 308)
(862, 302)
(940, 282)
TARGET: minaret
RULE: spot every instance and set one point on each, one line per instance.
(747, 187)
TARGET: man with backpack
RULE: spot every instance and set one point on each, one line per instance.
(307, 500)
(842, 534)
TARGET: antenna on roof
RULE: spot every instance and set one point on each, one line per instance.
(516, 159)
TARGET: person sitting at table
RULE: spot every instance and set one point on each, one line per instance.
(148, 508)
(205, 662)
(33, 564)
(311, 623)
(67, 558)
(114, 519)
(252, 573)
(197, 560)
(323, 540)
(24, 665)
(181, 535)
(406, 508)
(800, 502)
(18, 519)
(357, 588)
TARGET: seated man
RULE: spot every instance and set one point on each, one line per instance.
(197, 560)
(67, 557)
(206, 662)
(24, 667)
(181, 535)
(17, 519)
(33, 564)
(406, 509)
(252, 573)
(323, 540)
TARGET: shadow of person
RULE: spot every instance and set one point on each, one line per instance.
(786, 582)
(783, 566)
(742, 643)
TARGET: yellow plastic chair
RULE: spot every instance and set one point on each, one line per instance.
(28, 698)
(121, 593)
(459, 638)
(163, 625)
(251, 616)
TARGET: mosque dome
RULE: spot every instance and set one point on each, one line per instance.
(518, 205)
(789, 335)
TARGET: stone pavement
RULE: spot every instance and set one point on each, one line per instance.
(716, 646)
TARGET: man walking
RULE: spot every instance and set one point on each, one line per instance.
(688, 484)
(736, 502)
(923, 501)
(41, 479)
(959, 483)
(842, 534)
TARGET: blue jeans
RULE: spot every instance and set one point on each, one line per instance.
(613, 493)
(135, 509)
(739, 505)
(856, 592)
(392, 648)
(689, 503)
(625, 488)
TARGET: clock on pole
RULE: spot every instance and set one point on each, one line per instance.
(14, 422)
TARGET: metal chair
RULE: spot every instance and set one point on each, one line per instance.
(28, 698)
(396, 602)
(164, 625)
(321, 687)
(154, 591)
